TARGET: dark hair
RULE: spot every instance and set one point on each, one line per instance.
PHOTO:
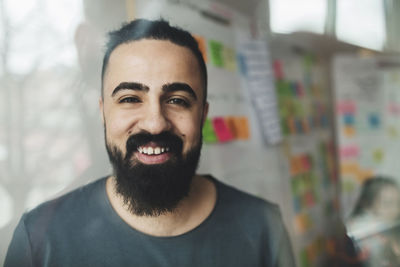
(157, 30)
(369, 191)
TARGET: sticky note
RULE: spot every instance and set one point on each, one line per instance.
(296, 204)
(348, 107)
(309, 199)
(208, 132)
(311, 122)
(299, 125)
(278, 70)
(302, 222)
(304, 259)
(300, 89)
(239, 127)
(222, 130)
(229, 58)
(291, 125)
(293, 89)
(202, 46)
(394, 108)
(324, 121)
(305, 163)
(348, 119)
(242, 64)
(378, 155)
(349, 131)
(284, 127)
(350, 151)
(216, 53)
(306, 125)
(295, 166)
(374, 120)
(393, 132)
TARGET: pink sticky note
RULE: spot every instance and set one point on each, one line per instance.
(222, 130)
(346, 107)
(349, 151)
(394, 108)
(278, 70)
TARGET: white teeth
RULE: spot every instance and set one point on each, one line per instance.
(153, 150)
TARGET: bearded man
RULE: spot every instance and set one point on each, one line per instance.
(154, 210)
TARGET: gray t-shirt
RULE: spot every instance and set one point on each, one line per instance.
(82, 229)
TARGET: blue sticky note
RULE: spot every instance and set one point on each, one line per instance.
(296, 204)
(348, 119)
(299, 126)
(242, 64)
(374, 120)
(293, 88)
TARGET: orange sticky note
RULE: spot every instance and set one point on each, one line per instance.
(230, 122)
(306, 125)
(239, 127)
(291, 125)
(202, 46)
(222, 130)
(349, 131)
(243, 127)
(295, 166)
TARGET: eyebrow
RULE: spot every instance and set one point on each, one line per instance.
(130, 86)
(174, 87)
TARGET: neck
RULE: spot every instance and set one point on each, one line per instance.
(189, 213)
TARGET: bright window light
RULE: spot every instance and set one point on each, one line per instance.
(293, 15)
(361, 22)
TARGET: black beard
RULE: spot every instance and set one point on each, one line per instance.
(152, 190)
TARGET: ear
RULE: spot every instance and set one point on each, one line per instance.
(101, 108)
(205, 113)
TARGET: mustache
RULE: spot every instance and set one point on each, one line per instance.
(164, 139)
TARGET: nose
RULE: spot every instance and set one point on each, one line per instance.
(154, 120)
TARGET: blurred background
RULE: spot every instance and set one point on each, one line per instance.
(304, 110)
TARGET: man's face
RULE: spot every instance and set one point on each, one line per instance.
(153, 112)
(153, 86)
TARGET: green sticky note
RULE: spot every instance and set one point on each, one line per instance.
(304, 259)
(209, 135)
(216, 53)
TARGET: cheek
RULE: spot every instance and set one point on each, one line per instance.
(118, 125)
(190, 130)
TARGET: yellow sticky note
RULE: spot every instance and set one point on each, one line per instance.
(229, 56)
(378, 155)
(393, 132)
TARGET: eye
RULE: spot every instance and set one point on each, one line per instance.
(129, 99)
(178, 101)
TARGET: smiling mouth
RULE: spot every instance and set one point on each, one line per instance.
(150, 150)
(153, 154)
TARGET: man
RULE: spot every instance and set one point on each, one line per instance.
(154, 210)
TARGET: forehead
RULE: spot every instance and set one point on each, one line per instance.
(154, 63)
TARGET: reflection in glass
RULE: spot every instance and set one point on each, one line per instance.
(374, 223)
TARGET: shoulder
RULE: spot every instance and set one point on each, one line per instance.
(238, 197)
(63, 208)
(245, 205)
(255, 219)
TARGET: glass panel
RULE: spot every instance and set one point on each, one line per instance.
(292, 15)
(361, 22)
